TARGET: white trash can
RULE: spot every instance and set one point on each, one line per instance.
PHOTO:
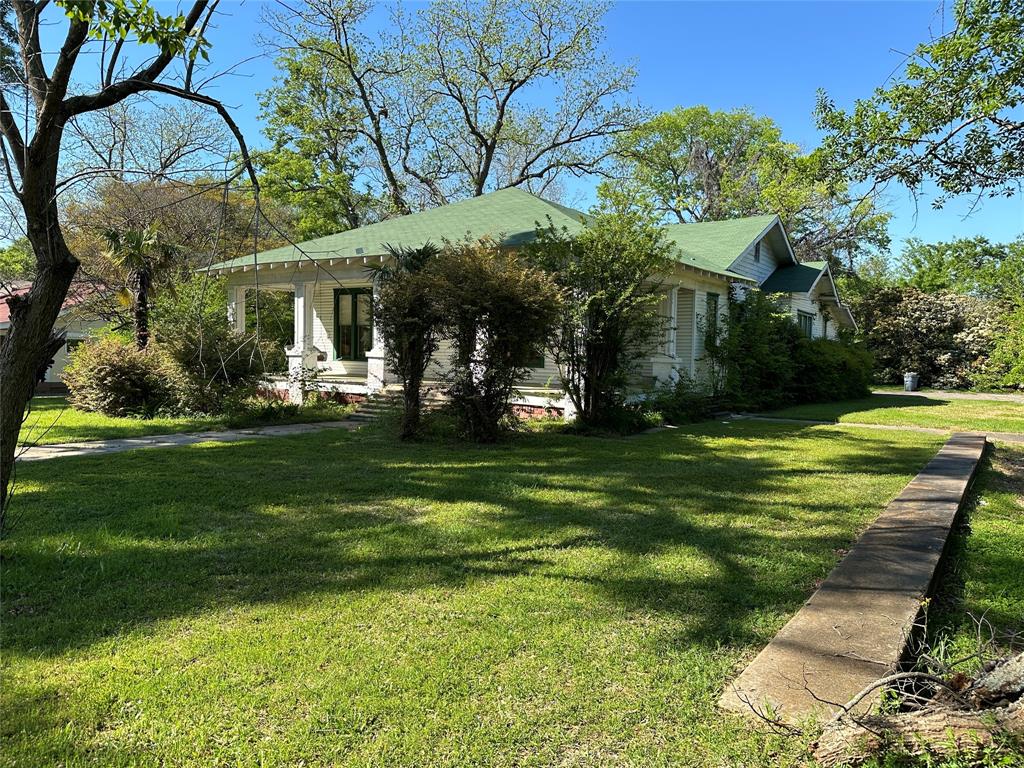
(910, 382)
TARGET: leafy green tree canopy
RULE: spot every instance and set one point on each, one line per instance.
(17, 261)
(953, 117)
(696, 164)
(972, 266)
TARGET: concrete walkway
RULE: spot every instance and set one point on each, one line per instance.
(1004, 437)
(856, 628)
(98, 447)
(944, 395)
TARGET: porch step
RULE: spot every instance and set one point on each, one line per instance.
(388, 402)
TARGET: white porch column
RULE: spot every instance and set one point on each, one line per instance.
(376, 374)
(236, 307)
(302, 354)
(673, 330)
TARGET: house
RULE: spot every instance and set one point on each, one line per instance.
(333, 289)
(75, 327)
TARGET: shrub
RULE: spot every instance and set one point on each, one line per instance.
(408, 317)
(215, 367)
(944, 337)
(683, 402)
(752, 353)
(609, 275)
(497, 311)
(830, 370)
(113, 376)
(761, 359)
(1004, 367)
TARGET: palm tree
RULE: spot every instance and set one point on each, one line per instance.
(143, 253)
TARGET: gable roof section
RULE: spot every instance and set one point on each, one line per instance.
(798, 278)
(512, 213)
(715, 245)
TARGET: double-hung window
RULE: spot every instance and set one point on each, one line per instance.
(712, 315)
(806, 322)
(353, 323)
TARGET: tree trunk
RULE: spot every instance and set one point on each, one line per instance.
(142, 281)
(30, 344)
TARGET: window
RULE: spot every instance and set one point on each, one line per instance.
(806, 322)
(353, 323)
(757, 251)
(537, 361)
(72, 344)
(824, 325)
(712, 316)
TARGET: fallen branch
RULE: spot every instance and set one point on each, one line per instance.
(964, 718)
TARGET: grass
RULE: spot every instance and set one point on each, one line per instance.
(917, 410)
(51, 420)
(336, 599)
(981, 596)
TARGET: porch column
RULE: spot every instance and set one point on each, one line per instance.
(673, 332)
(301, 355)
(236, 307)
(376, 375)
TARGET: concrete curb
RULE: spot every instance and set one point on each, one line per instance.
(857, 626)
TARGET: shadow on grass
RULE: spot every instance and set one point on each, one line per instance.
(111, 543)
(836, 410)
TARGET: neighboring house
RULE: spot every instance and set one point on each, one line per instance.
(75, 328)
(333, 289)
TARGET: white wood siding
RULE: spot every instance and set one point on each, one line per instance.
(757, 270)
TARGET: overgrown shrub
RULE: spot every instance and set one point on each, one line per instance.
(497, 311)
(944, 337)
(760, 359)
(1004, 367)
(111, 375)
(215, 367)
(407, 314)
(829, 370)
(683, 402)
(752, 353)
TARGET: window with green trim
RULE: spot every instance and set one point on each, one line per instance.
(806, 322)
(353, 323)
(537, 361)
(712, 318)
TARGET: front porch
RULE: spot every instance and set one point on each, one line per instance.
(336, 347)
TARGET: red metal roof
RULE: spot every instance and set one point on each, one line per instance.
(78, 293)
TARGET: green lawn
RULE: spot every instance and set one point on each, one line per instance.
(983, 581)
(917, 410)
(51, 420)
(336, 599)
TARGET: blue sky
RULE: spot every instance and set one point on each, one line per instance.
(770, 56)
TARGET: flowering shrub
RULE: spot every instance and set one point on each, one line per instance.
(944, 337)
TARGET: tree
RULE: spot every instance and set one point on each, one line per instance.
(31, 154)
(408, 317)
(497, 311)
(972, 266)
(458, 99)
(952, 118)
(700, 165)
(609, 275)
(16, 261)
(141, 253)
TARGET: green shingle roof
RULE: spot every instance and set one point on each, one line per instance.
(511, 213)
(796, 279)
(715, 245)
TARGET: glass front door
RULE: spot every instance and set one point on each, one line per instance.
(353, 323)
